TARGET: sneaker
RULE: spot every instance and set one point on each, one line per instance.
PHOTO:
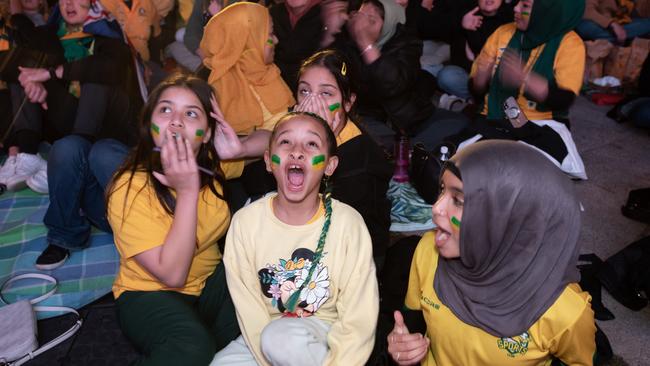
(409, 212)
(26, 166)
(8, 169)
(38, 182)
(451, 102)
(52, 257)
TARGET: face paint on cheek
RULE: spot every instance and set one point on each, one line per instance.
(318, 162)
(270, 42)
(334, 107)
(525, 14)
(155, 130)
(198, 136)
(275, 161)
(455, 222)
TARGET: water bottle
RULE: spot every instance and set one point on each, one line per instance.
(402, 149)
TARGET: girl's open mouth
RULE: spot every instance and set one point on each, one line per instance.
(295, 177)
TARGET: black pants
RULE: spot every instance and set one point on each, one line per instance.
(85, 116)
(542, 137)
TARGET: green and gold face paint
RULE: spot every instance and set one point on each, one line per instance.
(318, 161)
(275, 161)
(270, 42)
(334, 107)
(155, 130)
(198, 136)
(455, 222)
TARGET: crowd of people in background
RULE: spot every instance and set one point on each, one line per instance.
(166, 119)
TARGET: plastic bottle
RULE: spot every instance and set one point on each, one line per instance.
(401, 173)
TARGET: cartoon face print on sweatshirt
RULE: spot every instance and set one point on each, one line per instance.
(279, 281)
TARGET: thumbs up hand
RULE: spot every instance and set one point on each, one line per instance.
(406, 348)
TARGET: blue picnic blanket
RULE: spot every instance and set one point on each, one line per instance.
(86, 276)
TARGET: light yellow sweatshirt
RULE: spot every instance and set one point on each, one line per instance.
(266, 260)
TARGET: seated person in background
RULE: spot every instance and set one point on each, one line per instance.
(68, 81)
(186, 50)
(395, 94)
(140, 20)
(496, 282)
(167, 214)
(478, 24)
(238, 44)
(299, 265)
(299, 28)
(35, 10)
(539, 61)
(615, 20)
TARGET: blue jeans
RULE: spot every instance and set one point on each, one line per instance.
(78, 172)
(453, 80)
(590, 30)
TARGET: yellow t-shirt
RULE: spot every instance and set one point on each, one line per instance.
(348, 132)
(142, 224)
(566, 330)
(568, 67)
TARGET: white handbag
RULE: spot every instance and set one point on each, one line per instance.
(18, 342)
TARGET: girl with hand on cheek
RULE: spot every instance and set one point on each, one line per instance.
(496, 281)
(326, 87)
(167, 216)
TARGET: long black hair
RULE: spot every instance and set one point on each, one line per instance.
(143, 159)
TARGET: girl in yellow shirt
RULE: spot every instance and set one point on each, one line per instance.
(167, 214)
(496, 281)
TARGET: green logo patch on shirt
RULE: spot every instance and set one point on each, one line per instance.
(430, 302)
(514, 346)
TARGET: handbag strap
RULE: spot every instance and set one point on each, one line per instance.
(38, 276)
(56, 341)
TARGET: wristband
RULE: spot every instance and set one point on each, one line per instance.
(368, 48)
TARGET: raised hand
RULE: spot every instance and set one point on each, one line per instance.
(512, 72)
(179, 165)
(427, 4)
(471, 21)
(406, 348)
(226, 141)
(317, 105)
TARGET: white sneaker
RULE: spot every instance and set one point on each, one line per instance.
(38, 182)
(26, 166)
(8, 169)
(451, 102)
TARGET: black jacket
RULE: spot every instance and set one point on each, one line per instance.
(297, 44)
(361, 180)
(393, 88)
